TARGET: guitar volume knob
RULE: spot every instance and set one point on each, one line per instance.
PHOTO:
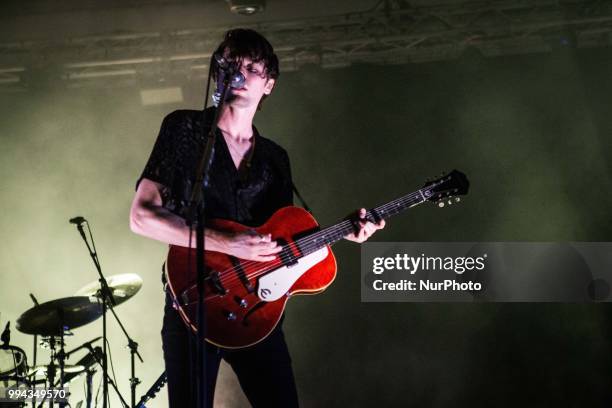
(241, 302)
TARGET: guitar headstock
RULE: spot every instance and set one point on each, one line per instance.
(446, 189)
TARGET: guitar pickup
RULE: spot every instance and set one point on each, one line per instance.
(242, 274)
(216, 282)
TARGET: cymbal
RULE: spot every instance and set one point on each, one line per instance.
(48, 318)
(42, 369)
(122, 286)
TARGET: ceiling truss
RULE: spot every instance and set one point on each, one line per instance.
(393, 32)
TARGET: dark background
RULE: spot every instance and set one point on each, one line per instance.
(533, 134)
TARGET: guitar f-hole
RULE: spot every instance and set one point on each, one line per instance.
(255, 308)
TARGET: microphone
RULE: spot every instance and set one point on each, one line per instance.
(226, 68)
(6, 335)
(77, 220)
(226, 65)
(236, 81)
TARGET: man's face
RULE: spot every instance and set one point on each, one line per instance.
(256, 85)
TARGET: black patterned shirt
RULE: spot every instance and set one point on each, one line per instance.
(249, 195)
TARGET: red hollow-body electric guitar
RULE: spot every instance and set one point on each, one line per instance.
(245, 299)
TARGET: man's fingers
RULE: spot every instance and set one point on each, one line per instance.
(273, 250)
(264, 248)
(265, 258)
(267, 254)
(256, 238)
(362, 228)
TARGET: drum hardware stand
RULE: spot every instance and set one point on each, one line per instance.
(108, 302)
(97, 354)
(17, 372)
(89, 362)
(35, 347)
(61, 356)
(89, 382)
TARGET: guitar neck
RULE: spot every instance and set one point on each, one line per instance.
(334, 233)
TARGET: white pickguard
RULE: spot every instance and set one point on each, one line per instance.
(278, 282)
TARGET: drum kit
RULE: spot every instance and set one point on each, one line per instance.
(54, 321)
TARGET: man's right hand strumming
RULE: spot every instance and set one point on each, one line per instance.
(252, 246)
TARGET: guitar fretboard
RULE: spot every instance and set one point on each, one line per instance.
(336, 232)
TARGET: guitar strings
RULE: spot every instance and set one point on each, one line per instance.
(309, 243)
(265, 267)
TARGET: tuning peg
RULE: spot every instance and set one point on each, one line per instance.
(440, 204)
(457, 199)
(450, 202)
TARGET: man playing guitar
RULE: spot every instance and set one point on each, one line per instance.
(250, 179)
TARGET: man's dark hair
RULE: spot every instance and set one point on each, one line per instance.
(241, 43)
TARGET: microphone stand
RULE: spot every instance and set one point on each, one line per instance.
(195, 217)
(108, 302)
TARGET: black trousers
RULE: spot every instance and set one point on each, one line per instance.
(263, 370)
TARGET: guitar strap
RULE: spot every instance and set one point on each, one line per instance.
(302, 201)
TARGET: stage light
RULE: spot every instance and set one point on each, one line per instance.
(246, 7)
